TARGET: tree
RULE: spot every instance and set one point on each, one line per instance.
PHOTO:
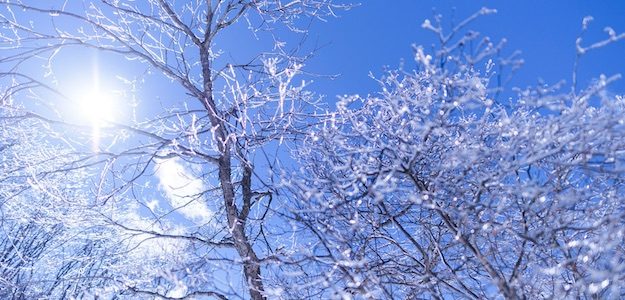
(208, 148)
(52, 243)
(434, 188)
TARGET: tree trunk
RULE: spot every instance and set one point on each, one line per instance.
(251, 263)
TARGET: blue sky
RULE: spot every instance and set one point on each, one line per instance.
(367, 38)
(380, 32)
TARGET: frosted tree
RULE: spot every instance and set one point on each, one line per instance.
(436, 188)
(204, 129)
(52, 243)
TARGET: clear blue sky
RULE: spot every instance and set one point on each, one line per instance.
(379, 33)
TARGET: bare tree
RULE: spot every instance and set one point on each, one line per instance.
(210, 144)
(435, 189)
(50, 238)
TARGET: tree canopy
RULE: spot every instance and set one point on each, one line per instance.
(226, 177)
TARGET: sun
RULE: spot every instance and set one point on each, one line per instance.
(93, 98)
(96, 107)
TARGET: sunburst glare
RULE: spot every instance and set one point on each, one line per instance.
(98, 107)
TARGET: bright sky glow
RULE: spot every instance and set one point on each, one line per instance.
(96, 106)
(94, 95)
